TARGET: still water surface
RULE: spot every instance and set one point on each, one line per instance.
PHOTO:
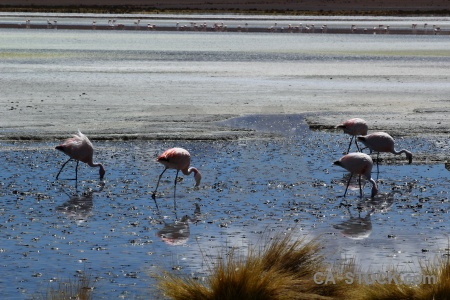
(113, 229)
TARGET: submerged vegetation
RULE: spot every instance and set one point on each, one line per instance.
(287, 268)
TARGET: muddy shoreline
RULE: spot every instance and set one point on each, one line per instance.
(294, 29)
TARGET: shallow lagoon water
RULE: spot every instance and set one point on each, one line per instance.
(113, 230)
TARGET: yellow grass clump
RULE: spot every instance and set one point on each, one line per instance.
(283, 268)
(432, 283)
(79, 288)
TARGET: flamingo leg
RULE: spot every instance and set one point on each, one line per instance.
(159, 179)
(363, 148)
(350, 144)
(360, 189)
(76, 172)
(76, 177)
(157, 207)
(348, 183)
(175, 192)
(378, 159)
(357, 147)
(62, 168)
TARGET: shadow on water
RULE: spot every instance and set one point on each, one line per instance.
(249, 187)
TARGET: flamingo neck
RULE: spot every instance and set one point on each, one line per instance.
(102, 169)
(408, 154)
(189, 171)
(197, 174)
(400, 152)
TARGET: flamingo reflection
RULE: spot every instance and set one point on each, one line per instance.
(178, 232)
(358, 227)
(79, 207)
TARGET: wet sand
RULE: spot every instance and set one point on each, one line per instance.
(161, 120)
(48, 111)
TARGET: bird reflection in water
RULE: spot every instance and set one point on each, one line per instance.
(79, 207)
(358, 227)
(178, 232)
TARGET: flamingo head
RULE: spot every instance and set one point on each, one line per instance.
(362, 139)
(374, 188)
(340, 126)
(60, 148)
(197, 177)
(409, 156)
(101, 171)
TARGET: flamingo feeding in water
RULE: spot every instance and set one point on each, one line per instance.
(178, 159)
(354, 127)
(382, 142)
(79, 148)
(360, 164)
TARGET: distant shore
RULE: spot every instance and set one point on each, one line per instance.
(301, 7)
(34, 111)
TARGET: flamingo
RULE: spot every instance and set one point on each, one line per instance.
(360, 164)
(178, 159)
(79, 148)
(354, 127)
(382, 142)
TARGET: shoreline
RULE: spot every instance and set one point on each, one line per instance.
(222, 129)
(218, 28)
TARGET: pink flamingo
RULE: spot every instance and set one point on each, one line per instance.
(79, 148)
(354, 127)
(382, 142)
(360, 164)
(178, 159)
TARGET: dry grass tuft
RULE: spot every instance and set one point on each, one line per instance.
(283, 268)
(433, 283)
(80, 289)
(439, 290)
